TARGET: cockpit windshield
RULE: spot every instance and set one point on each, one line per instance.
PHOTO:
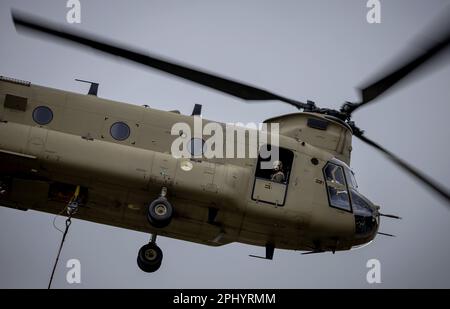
(359, 203)
(343, 189)
(343, 194)
(351, 178)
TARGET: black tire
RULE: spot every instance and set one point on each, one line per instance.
(160, 213)
(149, 258)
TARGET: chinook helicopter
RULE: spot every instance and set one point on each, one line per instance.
(111, 162)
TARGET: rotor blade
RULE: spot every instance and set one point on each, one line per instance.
(234, 88)
(412, 171)
(438, 39)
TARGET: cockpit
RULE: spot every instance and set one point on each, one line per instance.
(343, 194)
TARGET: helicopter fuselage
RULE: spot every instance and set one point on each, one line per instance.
(217, 201)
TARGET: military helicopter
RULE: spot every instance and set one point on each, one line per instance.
(111, 162)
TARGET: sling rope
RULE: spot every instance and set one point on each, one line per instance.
(72, 208)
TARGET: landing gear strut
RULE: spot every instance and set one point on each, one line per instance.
(159, 215)
(150, 256)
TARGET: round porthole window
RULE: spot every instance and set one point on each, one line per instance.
(196, 147)
(120, 131)
(42, 115)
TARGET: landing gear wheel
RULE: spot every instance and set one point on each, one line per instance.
(160, 213)
(149, 258)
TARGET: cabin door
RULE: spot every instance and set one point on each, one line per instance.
(272, 175)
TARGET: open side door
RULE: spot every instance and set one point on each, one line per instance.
(272, 175)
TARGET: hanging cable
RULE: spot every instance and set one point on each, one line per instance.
(56, 217)
(72, 209)
(68, 223)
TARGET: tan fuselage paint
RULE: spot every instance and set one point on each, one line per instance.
(124, 177)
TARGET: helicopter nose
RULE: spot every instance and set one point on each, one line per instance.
(366, 216)
(366, 223)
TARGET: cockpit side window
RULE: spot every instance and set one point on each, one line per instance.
(337, 189)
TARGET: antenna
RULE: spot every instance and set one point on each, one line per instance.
(93, 90)
(197, 110)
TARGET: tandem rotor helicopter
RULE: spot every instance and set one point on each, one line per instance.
(111, 162)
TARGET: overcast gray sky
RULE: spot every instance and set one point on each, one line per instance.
(305, 49)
